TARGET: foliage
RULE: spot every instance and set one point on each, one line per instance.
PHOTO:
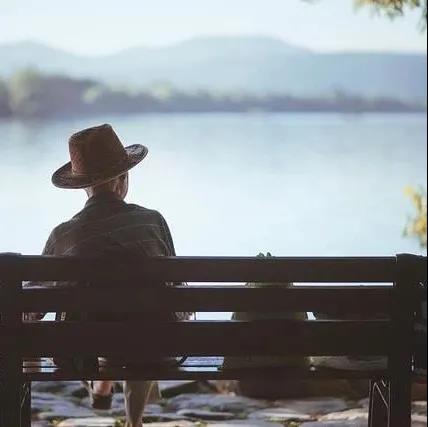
(35, 95)
(394, 8)
(417, 225)
(4, 100)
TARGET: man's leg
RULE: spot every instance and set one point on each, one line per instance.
(103, 388)
(137, 394)
(100, 394)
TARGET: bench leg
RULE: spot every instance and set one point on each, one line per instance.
(11, 390)
(11, 400)
(400, 406)
(378, 416)
(401, 356)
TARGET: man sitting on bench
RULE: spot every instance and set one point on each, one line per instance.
(109, 227)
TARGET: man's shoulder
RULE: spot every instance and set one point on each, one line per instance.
(132, 209)
(58, 232)
(143, 211)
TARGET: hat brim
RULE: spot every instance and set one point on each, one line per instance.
(66, 179)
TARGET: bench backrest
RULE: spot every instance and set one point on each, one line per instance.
(371, 336)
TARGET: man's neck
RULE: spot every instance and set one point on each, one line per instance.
(103, 196)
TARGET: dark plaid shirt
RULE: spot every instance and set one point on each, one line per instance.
(107, 226)
(113, 228)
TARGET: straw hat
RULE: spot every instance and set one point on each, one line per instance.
(97, 156)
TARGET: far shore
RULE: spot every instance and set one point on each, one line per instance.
(31, 95)
(346, 113)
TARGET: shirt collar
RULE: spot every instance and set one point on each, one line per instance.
(106, 197)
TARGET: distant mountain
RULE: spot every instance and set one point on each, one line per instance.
(17, 56)
(235, 64)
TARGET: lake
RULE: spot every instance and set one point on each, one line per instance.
(291, 184)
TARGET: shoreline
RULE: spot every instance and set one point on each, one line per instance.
(217, 114)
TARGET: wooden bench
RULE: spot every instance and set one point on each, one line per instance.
(205, 342)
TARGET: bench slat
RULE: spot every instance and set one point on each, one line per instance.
(205, 373)
(369, 300)
(195, 368)
(209, 338)
(198, 269)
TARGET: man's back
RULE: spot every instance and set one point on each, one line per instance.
(108, 226)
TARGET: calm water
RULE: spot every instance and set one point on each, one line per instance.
(236, 184)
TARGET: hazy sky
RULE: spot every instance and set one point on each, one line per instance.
(103, 26)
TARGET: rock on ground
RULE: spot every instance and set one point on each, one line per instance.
(44, 402)
(111, 422)
(88, 422)
(40, 424)
(245, 423)
(350, 415)
(355, 423)
(170, 389)
(419, 421)
(63, 410)
(420, 408)
(63, 388)
(198, 414)
(173, 424)
(280, 415)
(163, 418)
(216, 403)
(315, 406)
